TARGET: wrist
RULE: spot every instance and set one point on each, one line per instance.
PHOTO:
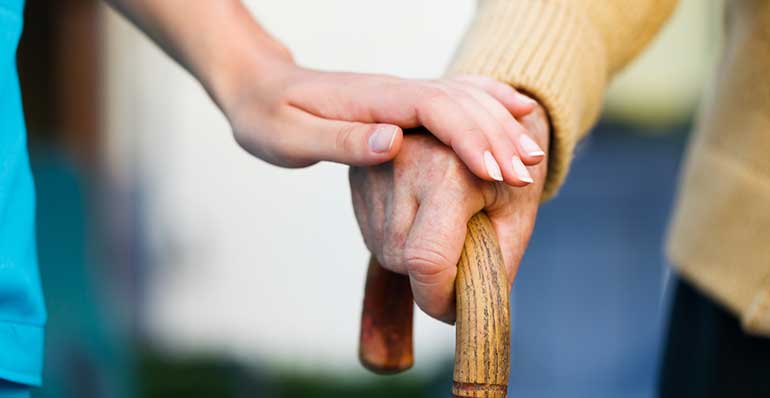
(228, 78)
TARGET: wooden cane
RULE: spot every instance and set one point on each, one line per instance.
(385, 344)
(482, 351)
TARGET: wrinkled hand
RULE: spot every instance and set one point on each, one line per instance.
(413, 213)
(294, 117)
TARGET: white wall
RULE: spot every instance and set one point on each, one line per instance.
(257, 262)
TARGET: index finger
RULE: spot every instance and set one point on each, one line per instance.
(433, 249)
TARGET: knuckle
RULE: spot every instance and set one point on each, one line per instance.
(448, 160)
(494, 84)
(432, 95)
(425, 261)
(496, 196)
(483, 82)
(468, 137)
(471, 133)
(345, 141)
(454, 167)
(391, 257)
(482, 94)
(490, 83)
(461, 93)
(459, 182)
(393, 247)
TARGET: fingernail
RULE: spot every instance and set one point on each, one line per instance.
(521, 170)
(525, 99)
(382, 139)
(492, 167)
(530, 146)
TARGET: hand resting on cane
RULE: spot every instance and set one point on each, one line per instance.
(413, 213)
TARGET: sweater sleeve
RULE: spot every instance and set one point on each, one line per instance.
(561, 52)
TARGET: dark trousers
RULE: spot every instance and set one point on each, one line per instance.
(708, 355)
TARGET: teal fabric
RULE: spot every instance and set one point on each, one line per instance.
(22, 312)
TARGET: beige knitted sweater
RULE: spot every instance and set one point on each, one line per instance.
(563, 52)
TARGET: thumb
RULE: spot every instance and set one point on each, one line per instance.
(351, 143)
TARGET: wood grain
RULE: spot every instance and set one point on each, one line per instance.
(385, 344)
(482, 350)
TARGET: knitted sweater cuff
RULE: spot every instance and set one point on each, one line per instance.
(549, 50)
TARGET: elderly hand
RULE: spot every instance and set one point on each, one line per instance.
(413, 213)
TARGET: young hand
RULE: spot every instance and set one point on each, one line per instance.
(295, 117)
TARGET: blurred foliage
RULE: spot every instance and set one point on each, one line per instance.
(161, 376)
(296, 386)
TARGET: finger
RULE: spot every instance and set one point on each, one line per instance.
(514, 228)
(366, 98)
(362, 208)
(352, 143)
(536, 126)
(500, 128)
(513, 224)
(433, 249)
(515, 102)
(449, 121)
(360, 98)
(400, 210)
(406, 103)
(526, 149)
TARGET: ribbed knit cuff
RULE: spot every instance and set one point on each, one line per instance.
(550, 51)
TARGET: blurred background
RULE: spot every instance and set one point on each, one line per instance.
(175, 264)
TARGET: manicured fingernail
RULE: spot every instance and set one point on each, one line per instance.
(525, 99)
(492, 167)
(530, 146)
(521, 170)
(382, 139)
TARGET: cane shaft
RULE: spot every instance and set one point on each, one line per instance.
(482, 351)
